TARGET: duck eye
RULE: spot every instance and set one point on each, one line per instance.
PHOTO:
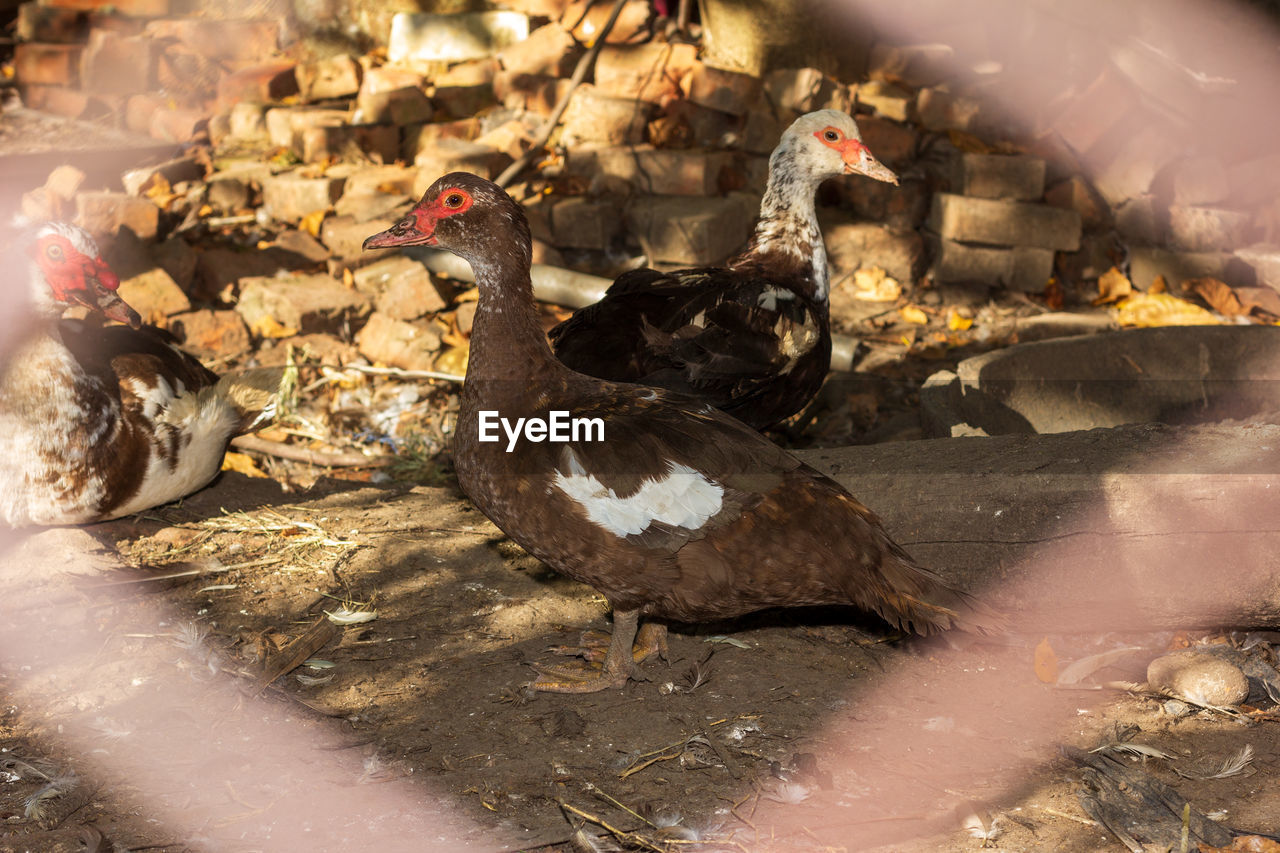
(831, 136)
(53, 252)
(453, 201)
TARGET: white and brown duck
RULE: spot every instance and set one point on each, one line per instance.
(681, 512)
(752, 338)
(97, 422)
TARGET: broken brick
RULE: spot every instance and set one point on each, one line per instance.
(579, 222)
(1146, 263)
(38, 22)
(59, 100)
(272, 80)
(726, 91)
(1204, 229)
(397, 343)
(649, 72)
(155, 295)
(381, 142)
(595, 117)
(106, 212)
(1021, 268)
(549, 50)
(211, 334)
(381, 179)
(345, 237)
(401, 288)
(1075, 194)
(854, 245)
(588, 19)
(118, 65)
(886, 100)
(456, 155)
(658, 171)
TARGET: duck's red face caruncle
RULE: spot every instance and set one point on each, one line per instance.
(78, 278)
(418, 228)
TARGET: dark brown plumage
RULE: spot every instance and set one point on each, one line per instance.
(681, 512)
(752, 338)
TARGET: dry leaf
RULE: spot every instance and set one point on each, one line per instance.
(958, 322)
(242, 463)
(1244, 844)
(1158, 285)
(348, 278)
(1113, 285)
(1218, 294)
(1160, 309)
(1055, 299)
(872, 284)
(267, 326)
(453, 360)
(472, 295)
(311, 222)
(1046, 662)
(913, 314)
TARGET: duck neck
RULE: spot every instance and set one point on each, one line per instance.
(507, 341)
(787, 240)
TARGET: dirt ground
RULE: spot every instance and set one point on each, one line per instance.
(740, 741)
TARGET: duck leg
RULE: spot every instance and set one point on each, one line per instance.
(619, 661)
(593, 645)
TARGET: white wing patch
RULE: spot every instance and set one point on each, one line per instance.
(683, 497)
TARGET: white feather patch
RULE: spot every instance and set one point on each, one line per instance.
(682, 497)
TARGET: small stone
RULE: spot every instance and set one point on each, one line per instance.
(397, 343)
(211, 334)
(336, 77)
(279, 307)
(155, 295)
(453, 38)
(1200, 678)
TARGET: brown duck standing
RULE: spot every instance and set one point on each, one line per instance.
(680, 512)
(752, 338)
(100, 422)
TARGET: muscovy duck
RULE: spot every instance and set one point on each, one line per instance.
(670, 508)
(97, 422)
(752, 338)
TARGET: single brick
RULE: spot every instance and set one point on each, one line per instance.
(401, 288)
(40, 64)
(854, 245)
(155, 295)
(290, 197)
(335, 77)
(396, 343)
(453, 38)
(595, 117)
(998, 176)
(409, 105)
(455, 155)
(549, 50)
(243, 39)
(649, 72)
(211, 334)
(118, 65)
(692, 230)
(584, 223)
(106, 212)
(272, 306)
(1021, 268)
(1205, 229)
(726, 91)
(891, 143)
(462, 101)
(657, 171)
(381, 142)
(1076, 194)
(272, 80)
(38, 22)
(887, 100)
(1004, 223)
(1146, 263)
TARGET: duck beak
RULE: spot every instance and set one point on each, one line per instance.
(858, 161)
(410, 231)
(100, 293)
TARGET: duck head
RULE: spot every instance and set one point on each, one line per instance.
(827, 143)
(67, 269)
